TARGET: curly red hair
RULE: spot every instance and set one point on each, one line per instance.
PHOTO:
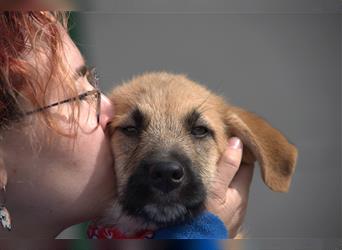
(23, 35)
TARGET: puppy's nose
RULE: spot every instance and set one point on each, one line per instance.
(166, 176)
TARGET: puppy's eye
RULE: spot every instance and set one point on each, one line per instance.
(130, 130)
(199, 132)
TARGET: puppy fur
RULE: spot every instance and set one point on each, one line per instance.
(162, 118)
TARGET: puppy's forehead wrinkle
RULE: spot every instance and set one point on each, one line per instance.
(164, 124)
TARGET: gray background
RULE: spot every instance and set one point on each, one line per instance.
(280, 61)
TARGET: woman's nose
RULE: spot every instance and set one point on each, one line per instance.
(107, 111)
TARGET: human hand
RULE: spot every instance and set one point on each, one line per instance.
(228, 196)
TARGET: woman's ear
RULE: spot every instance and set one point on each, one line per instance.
(276, 156)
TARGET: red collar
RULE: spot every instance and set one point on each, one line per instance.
(102, 233)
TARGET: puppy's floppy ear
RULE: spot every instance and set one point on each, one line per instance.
(276, 156)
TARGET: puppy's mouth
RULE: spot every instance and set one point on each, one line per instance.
(163, 192)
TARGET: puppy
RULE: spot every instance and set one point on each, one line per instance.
(167, 136)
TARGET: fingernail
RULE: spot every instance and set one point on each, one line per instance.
(235, 143)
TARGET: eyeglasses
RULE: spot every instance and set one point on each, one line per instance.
(93, 79)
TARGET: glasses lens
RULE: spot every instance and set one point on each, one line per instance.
(91, 97)
(93, 100)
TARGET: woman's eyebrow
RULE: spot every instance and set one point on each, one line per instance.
(81, 71)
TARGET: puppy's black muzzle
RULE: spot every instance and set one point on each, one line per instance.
(165, 189)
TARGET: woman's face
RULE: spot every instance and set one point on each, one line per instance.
(56, 181)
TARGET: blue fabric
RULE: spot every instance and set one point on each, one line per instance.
(204, 226)
(193, 245)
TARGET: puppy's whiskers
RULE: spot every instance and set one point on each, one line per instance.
(132, 157)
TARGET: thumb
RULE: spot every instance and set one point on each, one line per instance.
(228, 166)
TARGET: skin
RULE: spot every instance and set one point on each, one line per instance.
(231, 187)
(59, 181)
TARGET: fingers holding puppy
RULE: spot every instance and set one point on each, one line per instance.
(229, 193)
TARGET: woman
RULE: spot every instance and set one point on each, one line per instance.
(56, 167)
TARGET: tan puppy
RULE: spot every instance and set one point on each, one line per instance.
(167, 137)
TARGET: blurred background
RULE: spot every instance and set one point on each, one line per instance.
(279, 59)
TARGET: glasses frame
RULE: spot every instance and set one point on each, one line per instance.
(80, 97)
(96, 92)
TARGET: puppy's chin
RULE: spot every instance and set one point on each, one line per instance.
(164, 212)
(166, 215)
